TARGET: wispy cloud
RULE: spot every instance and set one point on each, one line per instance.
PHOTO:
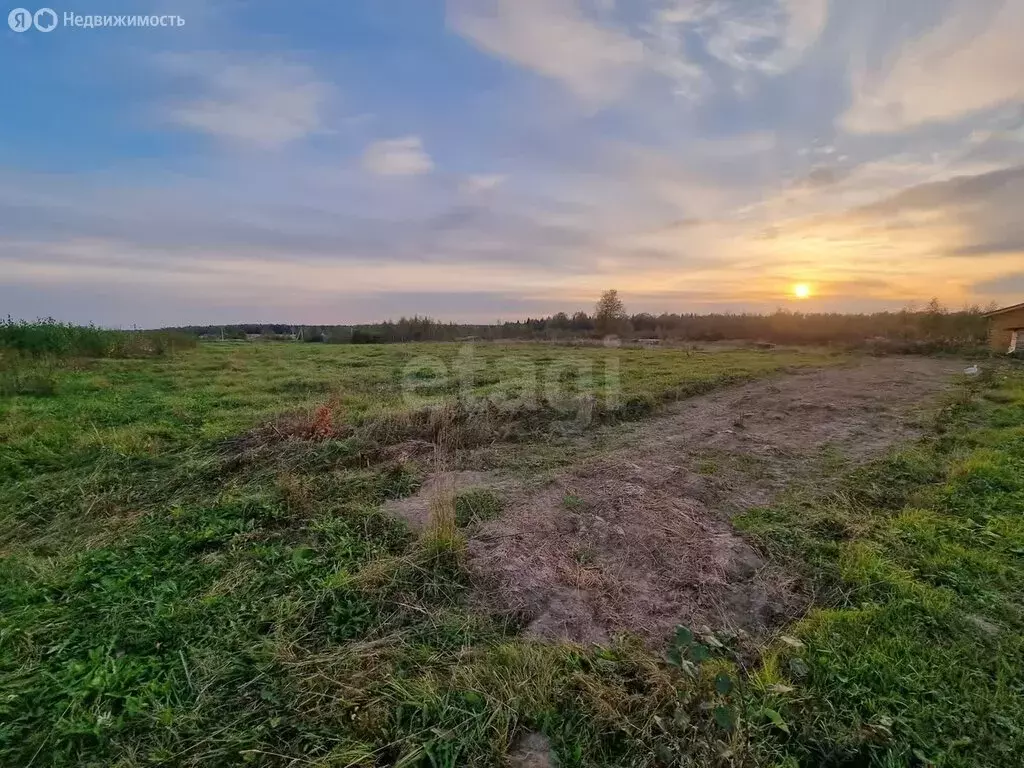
(265, 103)
(770, 37)
(971, 61)
(553, 38)
(597, 57)
(479, 183)
(397, 157)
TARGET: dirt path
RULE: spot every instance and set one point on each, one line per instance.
(639, 538)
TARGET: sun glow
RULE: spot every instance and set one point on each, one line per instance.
(802, 290)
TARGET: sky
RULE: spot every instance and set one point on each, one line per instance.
(344, 161)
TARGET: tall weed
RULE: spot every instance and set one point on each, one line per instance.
(48, 337)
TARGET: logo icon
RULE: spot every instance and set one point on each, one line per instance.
(45, 19)
(20, 19)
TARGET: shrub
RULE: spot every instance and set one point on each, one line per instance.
(48, 337)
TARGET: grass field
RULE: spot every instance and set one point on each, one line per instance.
(137, 408)
(162, 602)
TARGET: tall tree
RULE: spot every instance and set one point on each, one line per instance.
(610, 313)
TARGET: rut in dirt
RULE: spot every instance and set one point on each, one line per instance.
(639, 539)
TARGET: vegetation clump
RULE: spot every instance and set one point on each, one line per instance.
(32, 354)
(50, 338)
(477, 505)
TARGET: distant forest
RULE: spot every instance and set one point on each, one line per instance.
(933, 326)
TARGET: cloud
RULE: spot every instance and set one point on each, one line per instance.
(659, 195)
(479, 183)
(821, 176)
(971, 61)
(397, 157)
(1002, 285)
(555, 39)
(291, 215)
(1012, 244)
(941, 235)
(265, 103)
(1002, 186)
(806, 21)
(770, 37)
(598, 56)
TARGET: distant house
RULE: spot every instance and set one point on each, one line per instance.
(1006, 329)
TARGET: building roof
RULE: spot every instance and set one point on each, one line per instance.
(1004, 310)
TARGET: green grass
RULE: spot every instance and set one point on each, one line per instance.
(132, 408)
(162, 602)
(34, 355)
(915, 657)
(477, 506)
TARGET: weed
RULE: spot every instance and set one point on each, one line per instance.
(573, 503)
(477, 506)
(708, 467)
(584, 555)
(442, 530)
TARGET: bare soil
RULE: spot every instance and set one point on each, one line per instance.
(639, 538)
(531, 750)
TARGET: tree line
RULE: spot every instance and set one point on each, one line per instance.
(932, 324)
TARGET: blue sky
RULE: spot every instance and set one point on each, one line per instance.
(482, 159)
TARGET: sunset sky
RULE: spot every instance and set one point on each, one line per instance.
(354, 160)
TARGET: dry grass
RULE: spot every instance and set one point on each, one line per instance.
(442, 530)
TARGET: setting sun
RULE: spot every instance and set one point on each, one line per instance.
(801, 290)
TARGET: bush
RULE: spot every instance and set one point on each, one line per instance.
(52, 338)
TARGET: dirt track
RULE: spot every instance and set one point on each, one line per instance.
(643, 541)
